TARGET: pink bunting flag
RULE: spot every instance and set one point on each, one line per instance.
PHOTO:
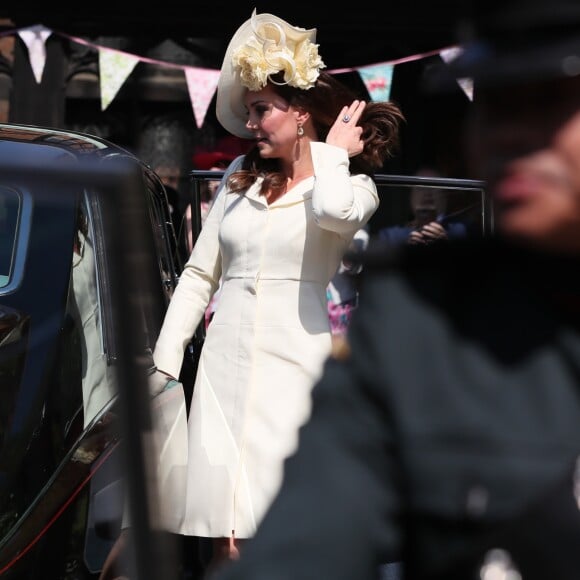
(377, 79)
(201, 84)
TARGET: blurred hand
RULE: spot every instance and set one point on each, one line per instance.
(433, 231)
(430, 232)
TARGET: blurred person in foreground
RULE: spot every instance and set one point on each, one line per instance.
(449, 435)
(274, 236)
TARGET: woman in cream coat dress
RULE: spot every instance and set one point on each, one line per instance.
(275, 236)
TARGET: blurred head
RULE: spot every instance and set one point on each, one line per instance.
(527, 146)
(427, 202)
(525, 135)
(170, 175)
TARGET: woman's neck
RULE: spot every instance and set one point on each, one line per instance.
(298, 169)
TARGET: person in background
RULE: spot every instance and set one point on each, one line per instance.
(274, 237)
(226, 150)
(169, 173)
(207, 161)
(210, 161)
(429, 222)
(449, 435)
(342, 291)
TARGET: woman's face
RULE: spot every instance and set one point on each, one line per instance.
(273, 122)
(529, 147)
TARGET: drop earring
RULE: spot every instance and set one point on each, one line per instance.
(300, 131)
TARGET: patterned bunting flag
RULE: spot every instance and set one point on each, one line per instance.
(377, 79)
(201, 84)
(114, 68)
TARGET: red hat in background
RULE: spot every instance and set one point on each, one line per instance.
(226, 150)
(207, 159)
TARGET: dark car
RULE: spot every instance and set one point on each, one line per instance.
(87, 267)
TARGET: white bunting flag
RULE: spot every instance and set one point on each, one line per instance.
(34, 37)
(450, 54)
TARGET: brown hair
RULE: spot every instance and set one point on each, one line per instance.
(380, 122)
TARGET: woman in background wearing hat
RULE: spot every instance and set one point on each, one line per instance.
(275, 235)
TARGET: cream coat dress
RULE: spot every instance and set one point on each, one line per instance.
(269, 337)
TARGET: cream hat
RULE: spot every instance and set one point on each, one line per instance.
(262, 46)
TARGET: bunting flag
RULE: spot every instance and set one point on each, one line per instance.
(201, 84)
(450, 54)
(34, 37)
(114, 68)
(467, 85)
(377, 79)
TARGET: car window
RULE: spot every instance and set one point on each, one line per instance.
(84, 311)
(460, 206)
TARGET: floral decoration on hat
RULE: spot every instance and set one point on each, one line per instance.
(269, 50)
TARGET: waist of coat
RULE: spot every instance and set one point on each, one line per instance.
(260, 278)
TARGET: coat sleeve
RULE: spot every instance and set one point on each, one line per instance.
(336, 515)
(341, 203)
(197, 284)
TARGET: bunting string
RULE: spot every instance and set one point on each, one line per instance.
(115, 66)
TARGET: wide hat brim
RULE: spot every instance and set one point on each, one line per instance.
(230, 109)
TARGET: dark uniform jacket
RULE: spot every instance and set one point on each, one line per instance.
(448, 437)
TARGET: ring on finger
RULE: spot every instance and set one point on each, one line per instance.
(346, 119)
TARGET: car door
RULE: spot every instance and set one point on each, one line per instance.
(60, 497)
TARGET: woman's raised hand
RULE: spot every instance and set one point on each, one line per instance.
(345, 132)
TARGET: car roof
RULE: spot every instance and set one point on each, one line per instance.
(28, 148)
(74, 142)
